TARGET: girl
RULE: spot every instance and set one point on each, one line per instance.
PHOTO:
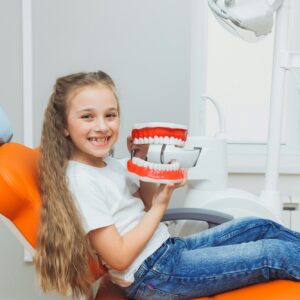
(90, 205)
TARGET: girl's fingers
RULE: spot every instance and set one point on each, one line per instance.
(178, 184)
(129, 143)
(141, 149)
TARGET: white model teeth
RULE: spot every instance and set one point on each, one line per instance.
(162, 167)
(159, 141)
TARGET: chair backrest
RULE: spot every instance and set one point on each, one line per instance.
(20, 200)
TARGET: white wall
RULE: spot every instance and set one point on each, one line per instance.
(11, 63)
(143, 44)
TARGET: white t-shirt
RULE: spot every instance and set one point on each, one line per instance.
(104, 197)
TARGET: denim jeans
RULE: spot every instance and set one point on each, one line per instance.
(237, 253)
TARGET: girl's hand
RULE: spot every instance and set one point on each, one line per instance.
(139, 150)
(164, 192)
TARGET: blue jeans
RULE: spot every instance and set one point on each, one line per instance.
(237, 253)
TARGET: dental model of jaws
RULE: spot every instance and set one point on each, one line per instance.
(167, 155)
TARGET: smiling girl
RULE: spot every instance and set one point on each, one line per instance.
(91, 208)
(89, 204)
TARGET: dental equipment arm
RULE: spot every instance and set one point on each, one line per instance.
(212, 217)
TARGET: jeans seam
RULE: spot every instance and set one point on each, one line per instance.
(144, 285)
(215, 243)
(213, 276)
(232, 234)
(160, 258)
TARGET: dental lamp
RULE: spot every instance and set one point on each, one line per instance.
(249, 20)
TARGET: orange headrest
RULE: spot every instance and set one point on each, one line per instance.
(19, 192)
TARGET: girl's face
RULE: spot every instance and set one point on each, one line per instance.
(92, 123)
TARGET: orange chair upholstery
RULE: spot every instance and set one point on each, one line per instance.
(20, 197)
(273, 290)
(20, 204)
(19, 194)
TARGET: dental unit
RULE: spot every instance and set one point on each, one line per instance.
(167, 156)
(207, 183)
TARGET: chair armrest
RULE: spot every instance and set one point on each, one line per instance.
(212, 217)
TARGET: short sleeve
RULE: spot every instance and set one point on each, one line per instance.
(91, 202)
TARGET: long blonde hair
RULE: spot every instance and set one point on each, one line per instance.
(63, 250)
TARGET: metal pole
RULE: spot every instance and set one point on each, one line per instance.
(270, 194)
(27, 73)
(198, 68)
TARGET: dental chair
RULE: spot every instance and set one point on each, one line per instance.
(20, 205)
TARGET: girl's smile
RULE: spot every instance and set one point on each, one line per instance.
(92, 123)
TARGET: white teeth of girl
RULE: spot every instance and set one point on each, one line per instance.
(159, 141)
(98, 140)
(162, 167)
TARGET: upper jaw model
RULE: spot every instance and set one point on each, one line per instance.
(166, 155)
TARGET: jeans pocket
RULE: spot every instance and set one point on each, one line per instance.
(146, 292)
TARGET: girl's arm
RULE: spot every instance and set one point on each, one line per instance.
(147, 189)
(146, 193)
(120, 251)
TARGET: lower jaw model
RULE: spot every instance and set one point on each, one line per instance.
(158, 170)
